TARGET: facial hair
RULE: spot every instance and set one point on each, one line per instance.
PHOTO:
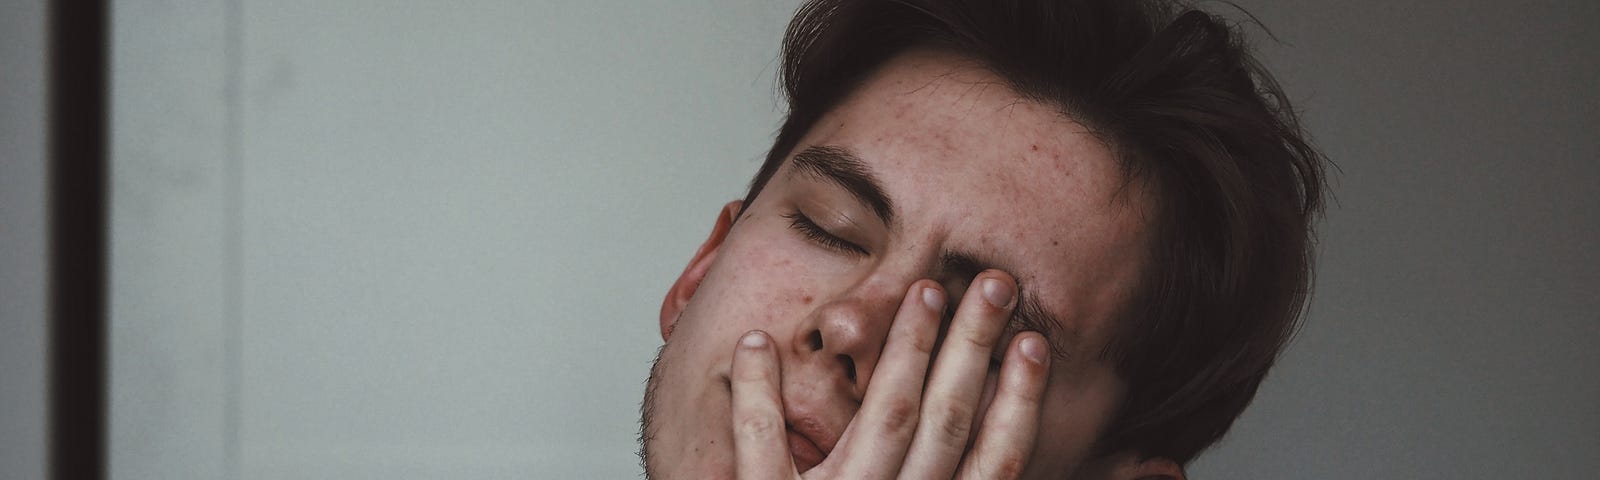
(647, 409)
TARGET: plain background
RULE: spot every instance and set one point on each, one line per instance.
(22, 239)
(369, 239)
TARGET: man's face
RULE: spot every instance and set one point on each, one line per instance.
(934, 169)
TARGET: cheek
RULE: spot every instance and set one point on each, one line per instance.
(1074, 414)
(1070, 419)
(759, 284)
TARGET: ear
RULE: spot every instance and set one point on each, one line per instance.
(689, 281)
(1130, 466)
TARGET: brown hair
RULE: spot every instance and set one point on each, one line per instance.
(1187, 110)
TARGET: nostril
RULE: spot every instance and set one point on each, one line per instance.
(815, 340)
(849, 367)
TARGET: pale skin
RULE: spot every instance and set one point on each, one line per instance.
(891, 439)
(949, 331)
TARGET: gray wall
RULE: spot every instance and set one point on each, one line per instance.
(1455, 324)
(362, 240)
(22, 240)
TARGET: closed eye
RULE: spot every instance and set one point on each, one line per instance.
(803, 224)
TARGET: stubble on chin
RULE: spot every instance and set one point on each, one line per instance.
(647, 410)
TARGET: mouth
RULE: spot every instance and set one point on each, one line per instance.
(809, 442)
(807, 454)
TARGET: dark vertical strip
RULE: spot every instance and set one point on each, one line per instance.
(78, 207)
(233, 248)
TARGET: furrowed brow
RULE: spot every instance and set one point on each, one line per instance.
(841, 167)
(1029, 313)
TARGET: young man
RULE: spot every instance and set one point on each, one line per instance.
(993, 239)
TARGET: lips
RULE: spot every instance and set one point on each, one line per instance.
(806, 453)
(808, 442)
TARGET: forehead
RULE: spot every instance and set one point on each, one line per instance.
(972, 165)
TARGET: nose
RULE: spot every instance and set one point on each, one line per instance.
(848, 334)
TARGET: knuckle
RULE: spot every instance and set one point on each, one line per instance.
(757, 426)
(899, 415)
(978, 340)
(923, 344)
(1008, 466)
(953, 422)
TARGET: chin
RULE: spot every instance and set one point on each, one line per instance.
(674, 446)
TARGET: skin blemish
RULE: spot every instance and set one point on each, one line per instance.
(1035, 148)
(806, 299)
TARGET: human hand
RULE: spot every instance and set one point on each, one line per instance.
(910, 424)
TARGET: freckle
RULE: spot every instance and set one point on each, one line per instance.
(807, 299)
(1055, 243)
(1035, 148)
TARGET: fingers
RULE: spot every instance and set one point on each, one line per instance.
(955, 389)
(760, 441)
(875, 443)
(913, 424)
(1012, 422)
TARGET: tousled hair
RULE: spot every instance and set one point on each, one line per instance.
(1188, 112)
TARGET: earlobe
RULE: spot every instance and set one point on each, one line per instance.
(689, 281)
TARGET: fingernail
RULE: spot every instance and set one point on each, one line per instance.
(1035, 349)
(753, 340)
(933, 298)
(997, 292)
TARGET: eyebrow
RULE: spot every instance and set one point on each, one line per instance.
(1029, 313)
(843, 168)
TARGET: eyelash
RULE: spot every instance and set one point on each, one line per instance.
(803, 224)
